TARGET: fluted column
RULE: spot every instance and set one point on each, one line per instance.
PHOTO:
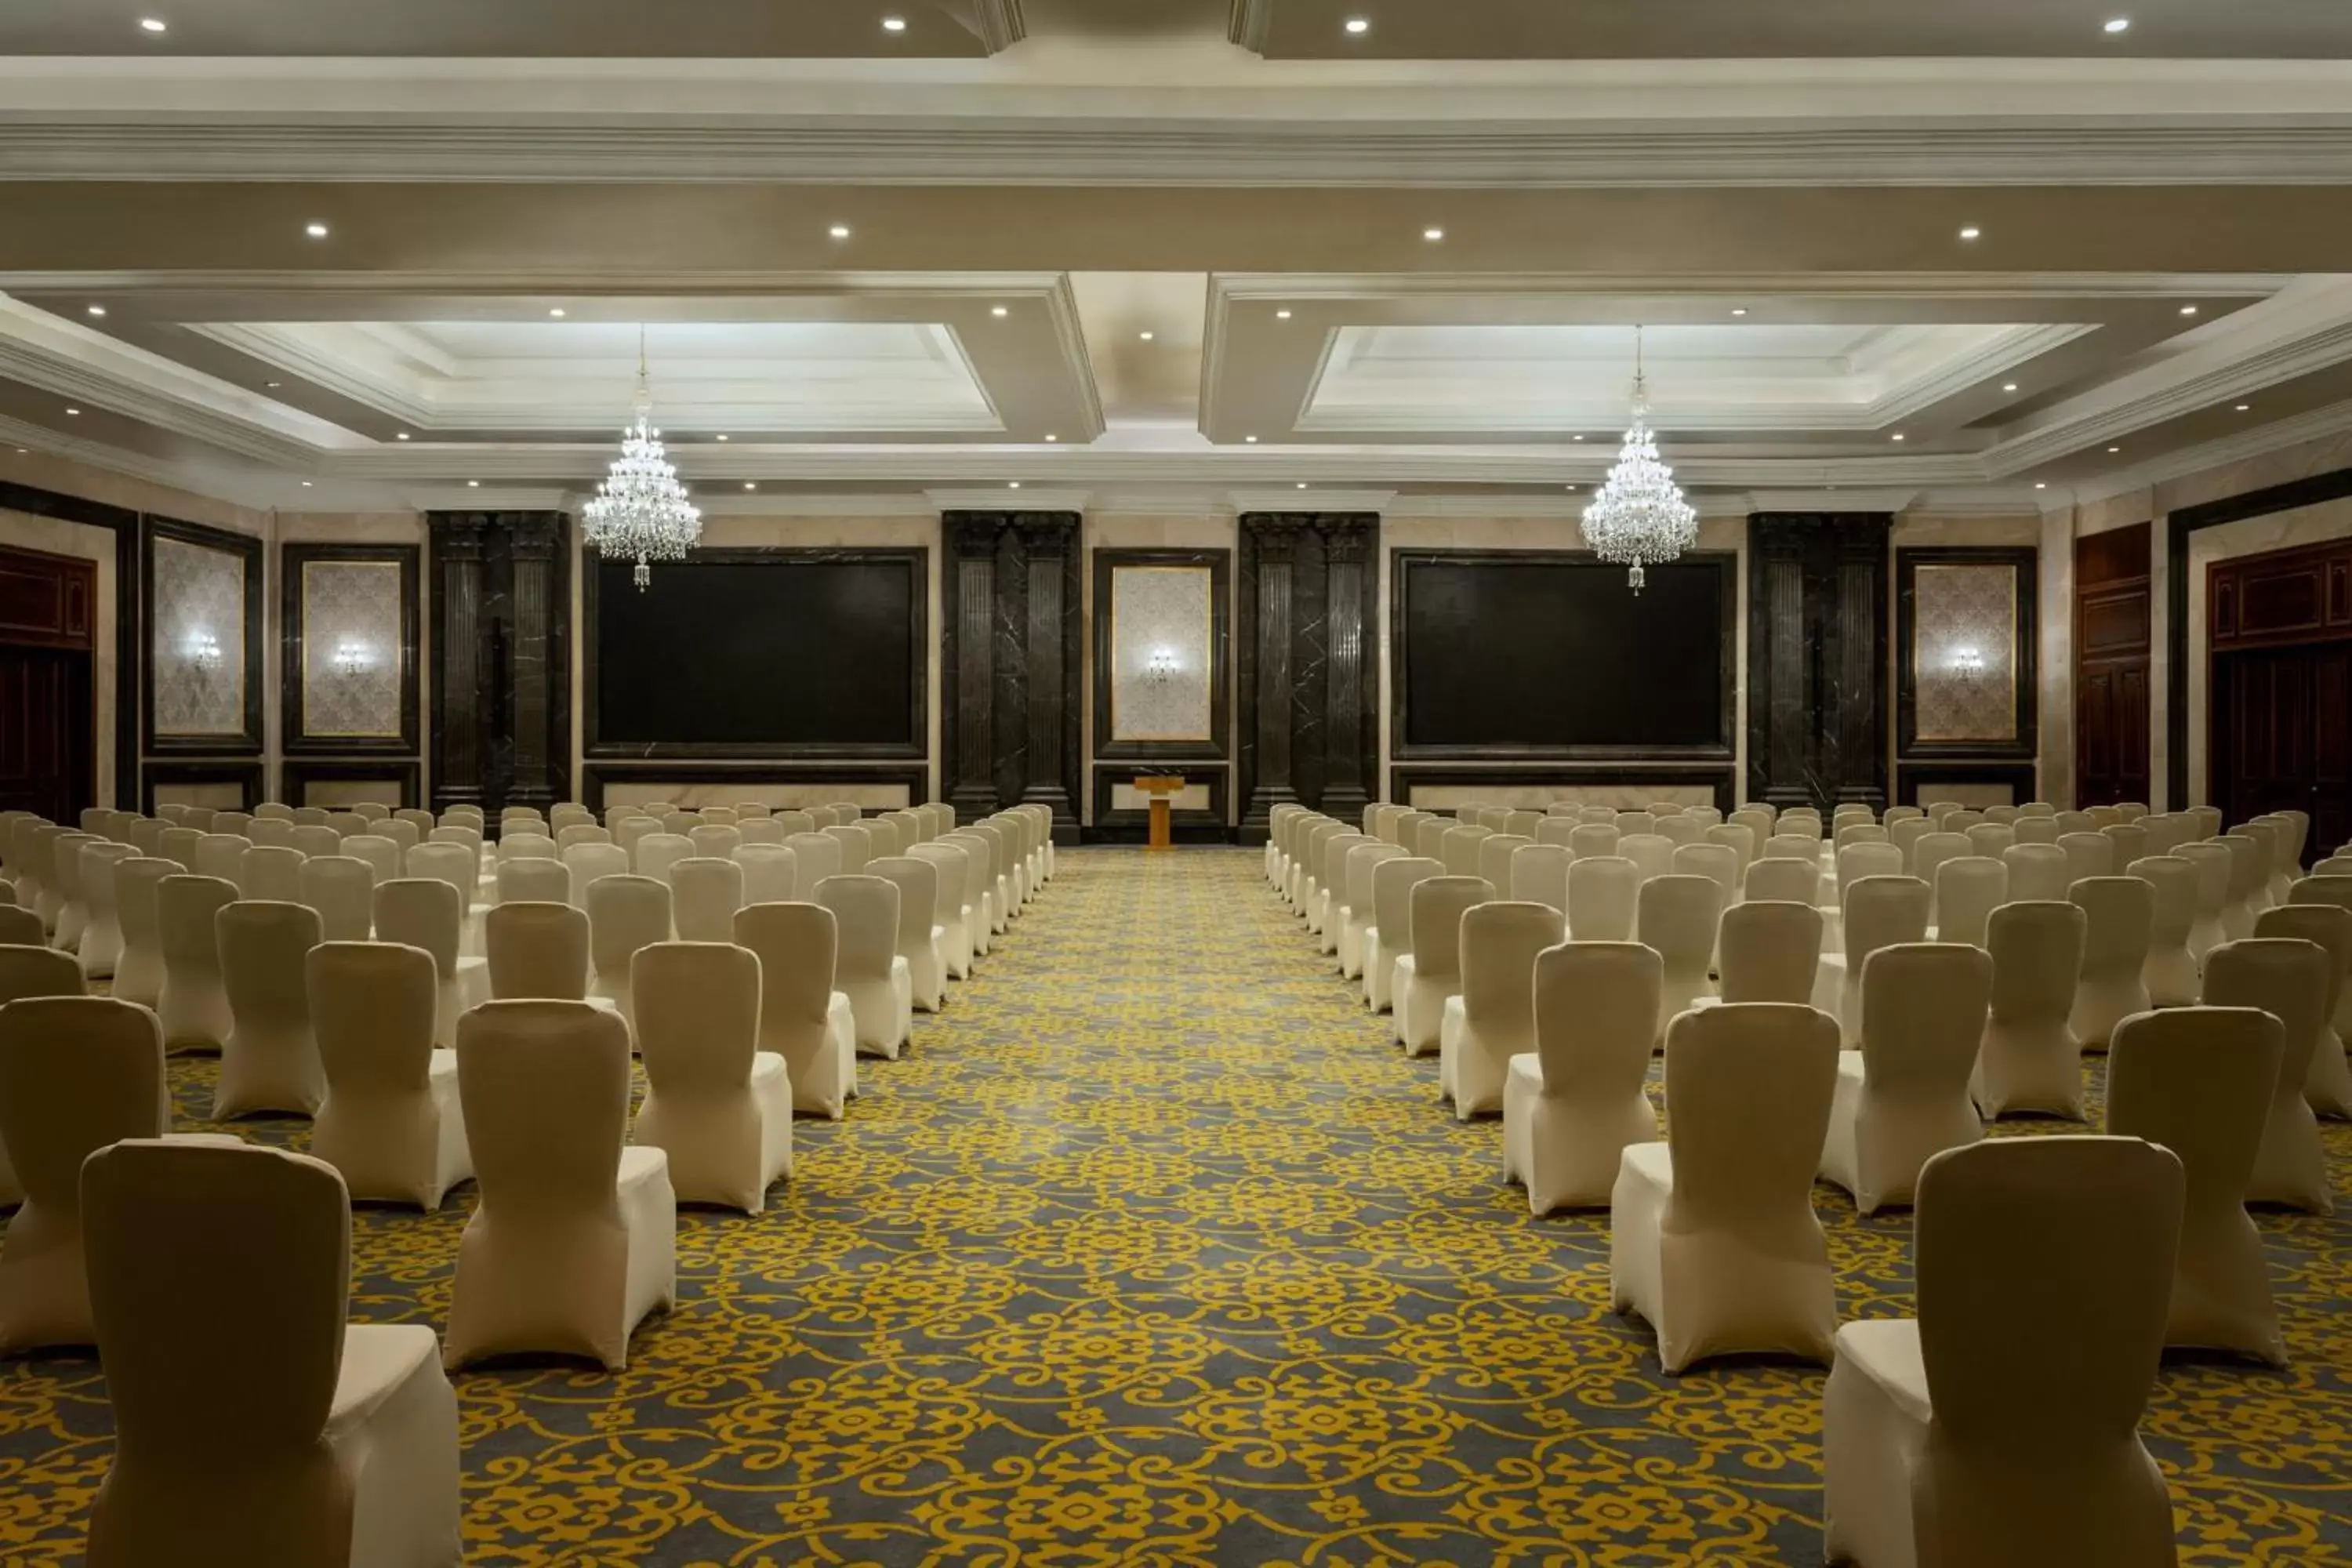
(1010, 712)
(1309, 728)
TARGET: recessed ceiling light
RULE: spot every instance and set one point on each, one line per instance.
(2246, 408)
(1051, 436)
(722, 435)
(750, 486)
(1896, 437)
(151, 23)
(1433, 235)
(98, 310)
(839, 231)
(2008, 386)
(2041, 485)
(1302, 484)
(472, 484)
(556, 312)
(1739, 310)
(1282, 315)
(1013, 486)
(306, 484)
(2114, 448)
(2119, 24)
(894, 24)
(1971, 232)
(401, 435)
(2188, 310)
(315, 230)
(1250, 439)
(73, 411)
(1570, 489)
(999, 311)
(1359, 24)
(1145, 336)
(1576, 438)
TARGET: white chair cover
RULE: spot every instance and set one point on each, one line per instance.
(2289, 980)
(1603, 898)
(719, 1106)
(1572, 1106)
(1768, 950)
(867, 965)
(1424, 978)
(270, 1059)
(537, 949)
(139, 972)
(2029, 1059)
(921, 937)
(2121, 913)
(391, 1122)
(193, 1006)
(1493, 1018)
(341, 890)
(1389, 936)
(624, 914)
(1903, 1098)
(2327, 1087)
(1677, 917)
(423, 912)
(802, 1018)
(705, 892)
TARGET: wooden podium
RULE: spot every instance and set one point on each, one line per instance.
(1161, 790)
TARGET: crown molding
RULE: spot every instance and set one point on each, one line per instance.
(998, 24)
(1311, 497)
(2317, 425)
(910, 507)
(1006, 499)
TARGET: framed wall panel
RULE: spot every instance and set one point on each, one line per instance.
(1968, 674)
(201, 595)
(1521, 655)
(766, 652)
(227, 785)
(2114, 625)
(306, 780)
(127, 527)
(349, 648)
(1162, 682)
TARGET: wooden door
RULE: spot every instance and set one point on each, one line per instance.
(2281, 737)
(2112, 631)
(48, 731)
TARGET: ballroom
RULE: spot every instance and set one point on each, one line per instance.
(1175, 784)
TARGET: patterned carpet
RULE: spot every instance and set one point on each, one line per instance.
(1153, 1251)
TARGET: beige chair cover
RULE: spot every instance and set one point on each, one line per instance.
(423, 912)
(1354, 891)
(1783, 881)
(705, 893)
(533, 881)
(574, 1238)
(2168, 972)
(321, 840)
(2029, 1059)
(867, 967)
(1677, 916)
(856, 848)
(1424, 978)
(27, 971)
(391, 1121)
(1971, 1435)
(2122, 913)
(716, 1104)
(1879, 911)
(1588, 839)
(655, 853)
(268, 875)
(2199, 1081)
(714, 840)
(193, 1006)
(383, 856)
(1324, 918)
(624, 914)
(270, 1059)
(1493, 1018)
(979, 892)
(1572, 1106)
(1904, 1096)
(22, 928)
(102, 936)
(578, 833)
(2327, 1087)
(275, 831)
(1391, 935)
(1712, 1236)
(139, 972)
(1603, 898)
(1539, 875)
(1769, 951)
(77, 1073)
(252, 1424)
(341, 890)
(2212, 862)
(802, 1018)
(538, 949)
(1652, 854)
(65, 874)
(2288, 979)
(921, 938)
(2248, 871)
(2038, 873)
(770, 873)
(1968, 887)
(587, 862)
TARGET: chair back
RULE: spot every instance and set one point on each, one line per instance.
(1676, 915)
(177, 843)
(527, 847)
(1904, 834)
(1603, 898)
(865, 921)
(980, 877)
(816, 855)
(1459, 849)
(1783, 881)
(882, 837)
(698, 1016)
(341, 889)
(796, 944)
(1438, 905)
(220, 855)
(1769, 951)
(2122, 913)
(580, 833)
(1592, 838)
(545, 1090)
(218, 1281)
(1394, 881)
(537, 949)
(2086, 1229)
(655, 853)
(1429, 838)
(1793, 847)
(1720, 862)
(77, 1073)
(1967, 889)
(185, 907)
(2175, 910)
(770, 873)
(761, 830)
(1857, 830)
(588, 862)
(2198, 1081)
(1539, 875)
(382, 856)
(372, 1011)
(624, 914)
(2127, 842)
(919, 899)
(1737, 837)
(2289, 979)
(1750, 1084)
(1881, 911)
(29, 971)
(2036, 949)
(952, 866)
(1332, 870)
(856, 846)
(451, 864)
(1596, 1017)
(1928, 858)
(2087, 855)
(276, 831)
(1629, 823)
(534, 880)
(2038, 873)
(705, 892)
(1495, 852)
(712, 840)
(1864, 860)
(1500, 941)
(793, 822)
(272, 872)
(1924, 1006)
(422, 911)
(1652, 854)
(2327, 925)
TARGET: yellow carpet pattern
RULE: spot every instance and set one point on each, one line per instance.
(1154, 1250)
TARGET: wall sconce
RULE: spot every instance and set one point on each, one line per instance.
(352, 657)
(1967, 663)
(1161, 666)
(203, 650)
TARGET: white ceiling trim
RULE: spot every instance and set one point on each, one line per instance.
(2318, 424)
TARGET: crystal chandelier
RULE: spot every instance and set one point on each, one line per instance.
(1640, 518)
(640, 512)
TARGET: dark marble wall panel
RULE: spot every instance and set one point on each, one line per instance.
(1309, 721)
(501, 721)
(1817, 659)
(1009, 716)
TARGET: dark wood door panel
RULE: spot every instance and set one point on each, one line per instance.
(47, 736)
(2281, 737)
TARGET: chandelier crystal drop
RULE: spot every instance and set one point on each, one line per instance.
(1640, 518)
(640, 512)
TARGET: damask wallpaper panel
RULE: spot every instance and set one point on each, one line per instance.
(1162, 653)
(1964, 652)
(351, 652)
(197, 655)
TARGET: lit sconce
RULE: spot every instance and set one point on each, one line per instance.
(203, 650)
(1967, 663)
(352, 657)
(1161, 667)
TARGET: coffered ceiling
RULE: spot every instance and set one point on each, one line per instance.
(334, 255)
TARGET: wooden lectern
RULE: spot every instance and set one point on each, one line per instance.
(1161, 790)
